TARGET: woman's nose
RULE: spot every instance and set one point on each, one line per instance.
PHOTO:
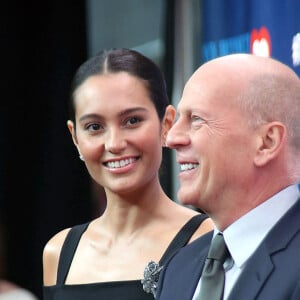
(115, 141)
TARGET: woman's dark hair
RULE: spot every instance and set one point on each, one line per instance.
(124, 60)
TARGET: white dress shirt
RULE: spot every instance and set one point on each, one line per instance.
(245, 235)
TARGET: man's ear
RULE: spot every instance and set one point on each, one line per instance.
(168, 122)
(270, 142)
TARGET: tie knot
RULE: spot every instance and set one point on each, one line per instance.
(218, 249)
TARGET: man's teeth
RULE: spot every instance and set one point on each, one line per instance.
(120, 163)
(185, 167)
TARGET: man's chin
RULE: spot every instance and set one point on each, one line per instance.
(186, 197)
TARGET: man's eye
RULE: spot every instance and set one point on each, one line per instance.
(197, 121)
(196, 118)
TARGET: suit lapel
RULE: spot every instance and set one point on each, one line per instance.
(260, 265)
(253, 276)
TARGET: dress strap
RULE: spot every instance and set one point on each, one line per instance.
(68, 250)
(183, 236)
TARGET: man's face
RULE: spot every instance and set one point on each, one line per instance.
(214, 146)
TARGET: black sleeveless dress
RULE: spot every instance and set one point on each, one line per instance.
(113, 290)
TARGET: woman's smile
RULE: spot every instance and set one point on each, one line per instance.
(120, 163)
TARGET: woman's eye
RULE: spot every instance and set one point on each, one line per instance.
(132, 121)
(93, 127)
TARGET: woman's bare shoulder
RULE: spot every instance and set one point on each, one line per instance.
(51, 254)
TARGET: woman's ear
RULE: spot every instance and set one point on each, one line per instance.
(271, 139)
(71, 128)
(168, 122)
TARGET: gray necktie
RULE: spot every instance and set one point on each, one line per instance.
(213, 275)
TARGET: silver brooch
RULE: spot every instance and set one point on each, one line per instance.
(151, 275)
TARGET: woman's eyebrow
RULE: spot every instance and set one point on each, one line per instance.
(132, 110)
(120, 114)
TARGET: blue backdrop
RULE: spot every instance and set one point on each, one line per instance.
(267, 28)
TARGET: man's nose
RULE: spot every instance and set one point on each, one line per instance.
(177, 136)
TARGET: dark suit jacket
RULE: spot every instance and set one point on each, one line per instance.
(271, 273)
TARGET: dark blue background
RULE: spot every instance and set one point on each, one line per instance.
(223, 19)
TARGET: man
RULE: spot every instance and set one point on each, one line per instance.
(237, 140)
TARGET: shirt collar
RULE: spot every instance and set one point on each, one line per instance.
(244, 235)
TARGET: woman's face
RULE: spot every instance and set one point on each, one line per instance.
(118, 132)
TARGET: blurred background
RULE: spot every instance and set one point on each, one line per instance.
(44, 187)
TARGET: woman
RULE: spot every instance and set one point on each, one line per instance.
(120, 117)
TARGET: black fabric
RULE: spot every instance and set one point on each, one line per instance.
(68, 251)
(116, 290)
(129, 289)
(183, 236)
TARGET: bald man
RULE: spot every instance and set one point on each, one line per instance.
(237, 141)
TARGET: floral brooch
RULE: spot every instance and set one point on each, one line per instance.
(151, 275)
